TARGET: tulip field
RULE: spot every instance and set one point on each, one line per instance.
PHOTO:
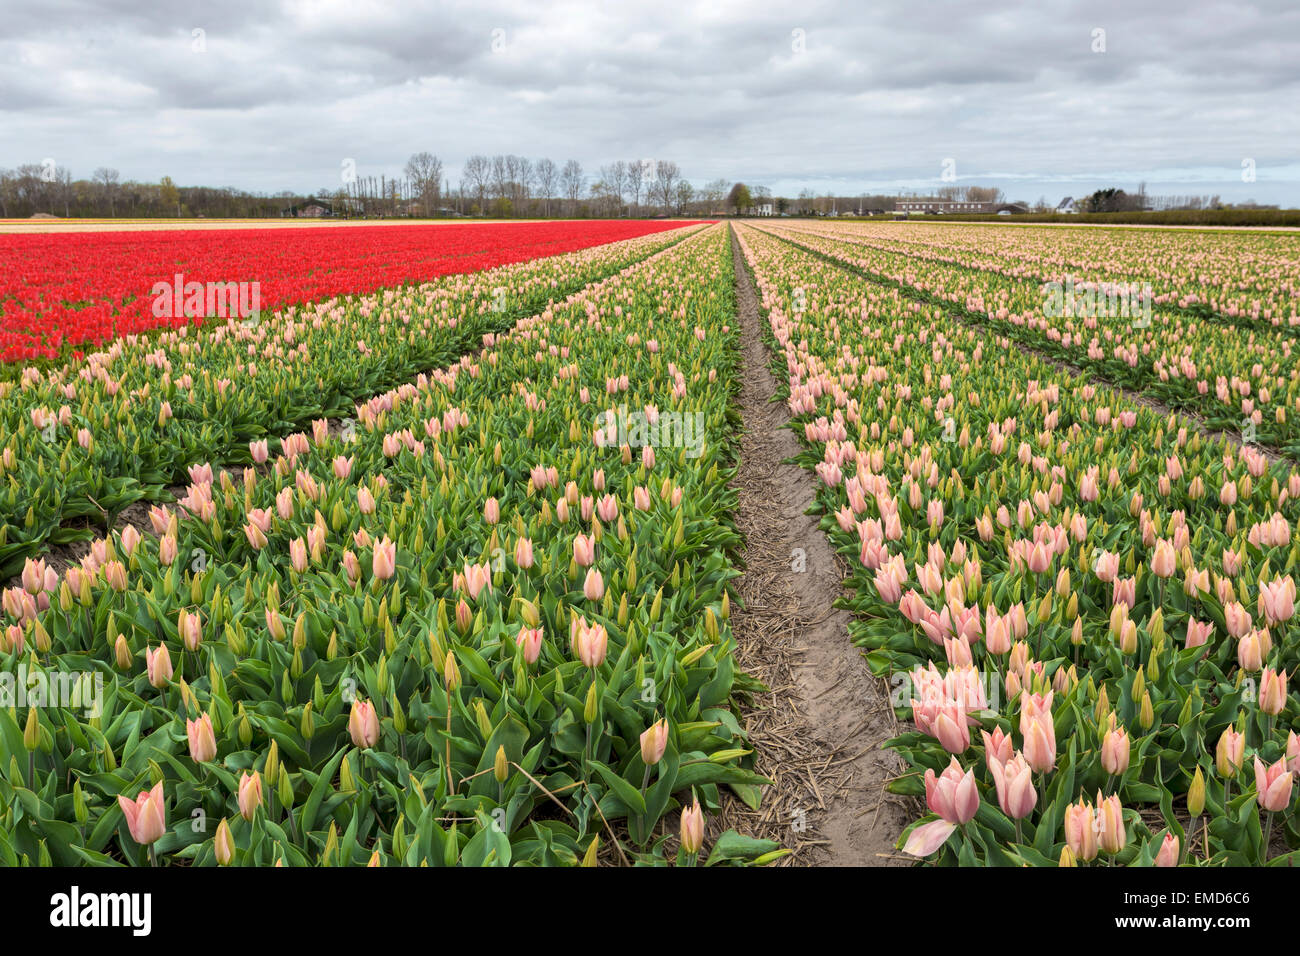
(432, 560)
(1084, 604)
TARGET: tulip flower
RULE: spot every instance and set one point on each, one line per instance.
(1081, 830)
(594, 585)
(530, 639)
(1230, 753)
(1015, 786)
(584, 551)
(146, 816)
(654, 741)
(692, 830)
(1111, 835)
(1115, 751)
(954, 797)
(1273, 785)
(384, 561)
(250, 794)
(593, 643)
(1272, 691)
(202, 738)
(223, 844)
(363, 725)
(1169, 852)
(158, 665)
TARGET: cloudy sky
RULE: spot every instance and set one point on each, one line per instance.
(1040, 97)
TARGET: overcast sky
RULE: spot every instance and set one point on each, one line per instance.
(844, 97)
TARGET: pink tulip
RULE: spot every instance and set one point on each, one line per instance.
(530, 639)
(1272, 691)
(692, 830)
(1015, 786)
(1115, 751)
(365, 501)
(190, 628)
(1081, 829)
(1198, 633)
(1169, 851)
(146, 816)
(1111, 835)
(203, 740)
(1040, 743)
(584, 550)
(524, 553)
(654, 741)
(249, 797)
(158, 665)
(1273, 785)
(997, 746)
(1163, 561)
(384, 561)
(492, 511)
(363, 725)
(594, 585)
(593, 643)
(477, 578)
(260, 451)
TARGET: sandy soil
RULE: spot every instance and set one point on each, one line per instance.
(817, 734)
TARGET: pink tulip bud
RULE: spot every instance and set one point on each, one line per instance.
(593, 643)
(1169, 851)
(259, 450)
(1081, 829)
(530, 639)
(203, 740)
(1115, 751)
(1111, 835)
(524, 553)
(654, 741)
(158, 665)
(249, 797)
(594, 585)
(692, 830)
(363, 725)
(1272, 691)
(584, 550)
(384, 560)
(190, 628)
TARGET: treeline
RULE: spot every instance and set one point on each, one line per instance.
(501, 186)
(1169, 217)
(46, 189)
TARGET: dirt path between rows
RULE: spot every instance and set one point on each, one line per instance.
(817, 733)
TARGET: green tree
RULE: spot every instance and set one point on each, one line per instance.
(170, 195)
(739, 198)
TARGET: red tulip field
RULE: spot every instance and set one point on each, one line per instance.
(659, 543)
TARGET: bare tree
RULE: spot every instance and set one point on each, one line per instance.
(575, 183)
(664, 188)
(548, 180)
(424, 173)
(106, 180)
(477, 174)
(614, 176)
(684, 196)
(635, 182)
(498, 178)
